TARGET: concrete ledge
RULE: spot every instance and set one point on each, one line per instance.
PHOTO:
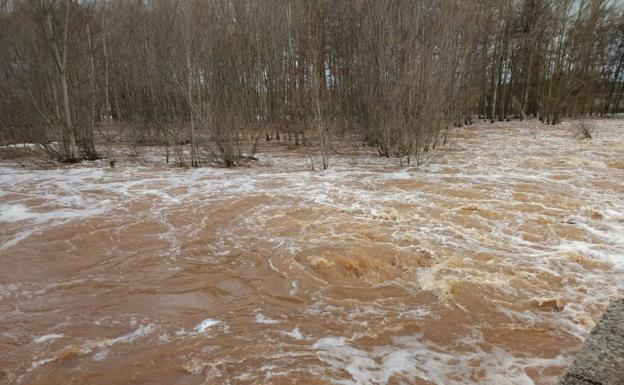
(601, 359)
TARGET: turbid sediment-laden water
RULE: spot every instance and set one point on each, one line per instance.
(488, 265)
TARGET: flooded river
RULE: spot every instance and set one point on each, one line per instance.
(488, 265)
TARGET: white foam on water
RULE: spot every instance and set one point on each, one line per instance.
(100, 355)
(294, 287)
(206, 325)
(47, 337)
(416, 314)
(7, 290)
(262, 319)
(141, 331)
(91, 345)
(37, 363)
(15, 213)
(410, 359)
(295, 333)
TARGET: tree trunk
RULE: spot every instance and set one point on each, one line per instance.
(189, 70)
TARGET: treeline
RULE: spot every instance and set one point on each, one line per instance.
(220, 75)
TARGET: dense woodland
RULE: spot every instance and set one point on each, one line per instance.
(217, 76)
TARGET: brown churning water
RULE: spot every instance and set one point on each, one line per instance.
(489, 265)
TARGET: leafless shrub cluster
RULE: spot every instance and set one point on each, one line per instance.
(584, 129)
(209, 79)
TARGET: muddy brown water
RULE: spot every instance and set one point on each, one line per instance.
(488, 265)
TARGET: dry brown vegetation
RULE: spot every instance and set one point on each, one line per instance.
(218, 76)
